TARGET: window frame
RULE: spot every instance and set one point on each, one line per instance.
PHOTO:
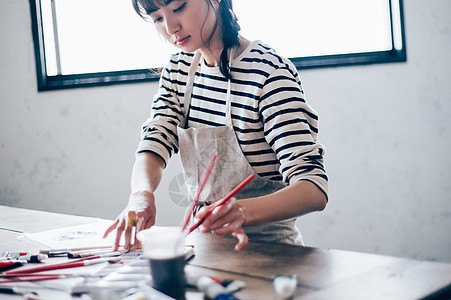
(54, 82)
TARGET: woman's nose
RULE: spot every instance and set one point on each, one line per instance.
(172, 26)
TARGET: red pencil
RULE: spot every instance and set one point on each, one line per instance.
(6, 265)
(36, 275)
(196, 200)
(66, 265)
(226, 198)
(42, 278)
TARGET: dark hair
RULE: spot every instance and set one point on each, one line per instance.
(230, 39)
(230, 27)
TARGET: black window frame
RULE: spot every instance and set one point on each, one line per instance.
(54, 82)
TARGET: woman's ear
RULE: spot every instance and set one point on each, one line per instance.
(232, 13)
(217, 3)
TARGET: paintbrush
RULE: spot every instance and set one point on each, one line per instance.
(196, 200)
(221, 202)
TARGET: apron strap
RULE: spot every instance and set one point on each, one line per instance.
(190, 84)
(229, 91)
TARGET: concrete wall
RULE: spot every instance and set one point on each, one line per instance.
(386, 128)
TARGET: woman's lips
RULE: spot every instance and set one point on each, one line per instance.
(182, 41)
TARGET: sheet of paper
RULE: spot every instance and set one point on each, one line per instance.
(87, 235)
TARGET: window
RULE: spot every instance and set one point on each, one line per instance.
(98, 42)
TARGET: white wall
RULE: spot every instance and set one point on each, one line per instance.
(386, 128)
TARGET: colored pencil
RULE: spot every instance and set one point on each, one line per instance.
(66, 265)
(221, 202)
(7, 265)
(42, 278)
(37, 275)
(55, 252)
(88, 253)
(196, 200)
(27, 258)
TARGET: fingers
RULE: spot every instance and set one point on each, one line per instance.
(131, 222)
(125, 226)
(224, 219)
(242, 239)
(138, 215)
(119, 230)
(145, 219)
(215, 215)
(228, 223)
(149, 223)
(137, 245)
(111, 228)
(202, 212)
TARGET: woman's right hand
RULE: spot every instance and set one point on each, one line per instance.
(139, 214)
(227, 219)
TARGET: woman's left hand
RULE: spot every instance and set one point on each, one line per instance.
(226, 219)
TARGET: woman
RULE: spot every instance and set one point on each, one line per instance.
(225, 95)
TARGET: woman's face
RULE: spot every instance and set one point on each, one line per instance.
(187, 24)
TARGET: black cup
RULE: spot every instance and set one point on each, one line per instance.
(168, 276)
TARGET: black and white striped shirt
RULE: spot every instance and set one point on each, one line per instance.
(276, 129)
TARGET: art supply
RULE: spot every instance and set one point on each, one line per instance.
(16, 291)
(118, 290)
(116, 276)
(88, 253)
(165, 250)
(13, 254)
(8, 265)
(87, 235)
(33, 275)
(196, 200)
(42, 278)
(285, 285)
(229, 284)
(59, 252)
(168, 276)
(128, 269)
(103, 289)
(37, 258)
(144, 291)
(104, 255)
(221, 202)
(211, 288)
(65, 265)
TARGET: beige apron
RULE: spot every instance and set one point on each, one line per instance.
(198, 145)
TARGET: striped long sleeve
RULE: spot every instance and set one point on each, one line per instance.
(275, 127)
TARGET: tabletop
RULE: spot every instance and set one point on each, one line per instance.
(321, 273)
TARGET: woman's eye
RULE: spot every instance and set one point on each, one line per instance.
(157, 20)
(180, 8)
